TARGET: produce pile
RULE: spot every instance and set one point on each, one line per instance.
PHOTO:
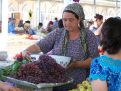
(44, 70)
(84, 86)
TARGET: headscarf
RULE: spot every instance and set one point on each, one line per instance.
(78, 10)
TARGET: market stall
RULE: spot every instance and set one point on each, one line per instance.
(14, 44)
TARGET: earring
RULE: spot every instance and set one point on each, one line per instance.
(79, 25)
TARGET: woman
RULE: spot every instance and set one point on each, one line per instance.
(50, 26)
(28, 29)
(105, 71)
(6, 87)
(74, 41)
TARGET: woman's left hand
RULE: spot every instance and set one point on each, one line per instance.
(80, 64)
(73, 64)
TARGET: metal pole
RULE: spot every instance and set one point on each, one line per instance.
(94, 2)
(4, 33)
(39, 12)
(0, 10)
(116, 6)
(5, 17)
(120, 8)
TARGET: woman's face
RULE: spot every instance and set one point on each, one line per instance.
(70, 22)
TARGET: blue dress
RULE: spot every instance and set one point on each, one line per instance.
(107, 69)
(11, 27)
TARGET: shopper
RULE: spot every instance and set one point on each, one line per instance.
(98, 22)
(11, 25)
(28, 29)
(55, 23)
(74, 41)
(105, 71)
(50, 26)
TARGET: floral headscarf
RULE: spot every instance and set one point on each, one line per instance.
(78, 10)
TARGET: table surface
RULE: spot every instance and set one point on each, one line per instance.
(14, 44)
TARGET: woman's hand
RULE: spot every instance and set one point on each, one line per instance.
(79, 64)
(73, 64)
(6, 87)
(26, 53)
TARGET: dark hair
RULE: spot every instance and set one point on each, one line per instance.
(56, 18)
(60, 23)
(81, 21)
(50, 22)
(98, 16)
(27, 21)
(40, 24)
(111, 35)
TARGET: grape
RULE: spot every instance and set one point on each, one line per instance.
(44, 70)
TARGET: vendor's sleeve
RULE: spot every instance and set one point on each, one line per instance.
(46, 44)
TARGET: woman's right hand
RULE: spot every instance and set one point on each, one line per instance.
(26, 55)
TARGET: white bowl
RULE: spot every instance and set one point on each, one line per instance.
(3, 55)
(62, 60)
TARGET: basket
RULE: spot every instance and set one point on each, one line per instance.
(62, 60)
(27, 86)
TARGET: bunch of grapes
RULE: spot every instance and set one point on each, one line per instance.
(53, 72)
(30, 72)
(44, 70)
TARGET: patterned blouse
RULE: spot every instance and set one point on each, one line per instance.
(52, 43)
(107, 69)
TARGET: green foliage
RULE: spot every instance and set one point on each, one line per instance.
(12, 69)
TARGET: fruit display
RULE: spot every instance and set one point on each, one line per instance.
(30, 72)
(44, 70)
(31, 37)
(84, 86)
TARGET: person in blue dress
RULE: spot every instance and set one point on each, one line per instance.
(105, 71)
(11, 25)
(55, 23)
